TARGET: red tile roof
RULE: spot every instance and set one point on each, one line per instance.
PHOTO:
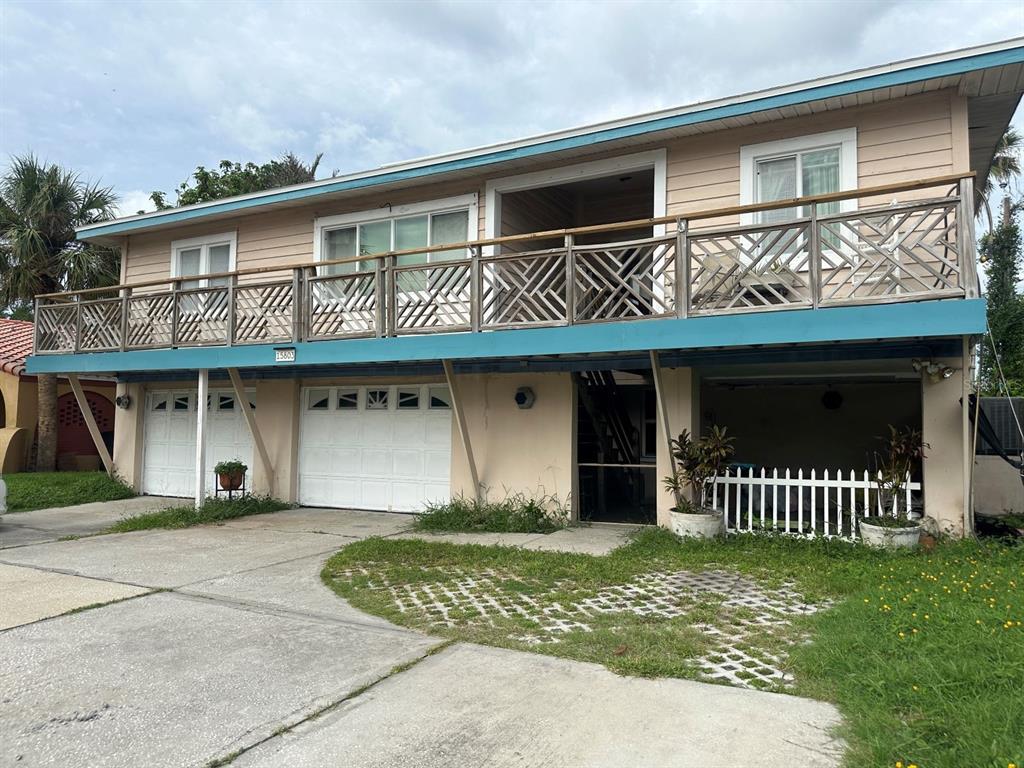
(15, 345)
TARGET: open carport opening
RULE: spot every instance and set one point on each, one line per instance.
(820, 423)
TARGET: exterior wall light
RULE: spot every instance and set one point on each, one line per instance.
(935, 372)
(123, 401)
(525, 397)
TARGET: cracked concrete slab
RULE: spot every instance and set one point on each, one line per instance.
(339, 522)
(294, 585)
(29, 594)
(39, 525)
(170, 680)
(495, 707)
(584, 540)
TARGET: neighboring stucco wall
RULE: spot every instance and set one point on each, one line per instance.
(943, 431)
(997, 487)
(529, 451)
(682, 403)
(901, 140)
(21, 405)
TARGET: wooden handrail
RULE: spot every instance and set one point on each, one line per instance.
(711, 213)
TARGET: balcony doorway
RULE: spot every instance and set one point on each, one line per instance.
(623, 196)
(616, 446)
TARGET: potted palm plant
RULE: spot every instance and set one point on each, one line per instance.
(892, 526)
(230, 474)
(698, 463)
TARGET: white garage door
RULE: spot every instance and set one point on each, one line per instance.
(169, 447)
(375, 447)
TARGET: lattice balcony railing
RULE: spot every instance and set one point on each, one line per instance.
(780, 256)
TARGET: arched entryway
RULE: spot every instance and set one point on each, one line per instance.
(72, 433)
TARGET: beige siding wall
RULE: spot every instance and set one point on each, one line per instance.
(896, 142)
(915, 137)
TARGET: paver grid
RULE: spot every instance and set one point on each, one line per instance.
(749, 640)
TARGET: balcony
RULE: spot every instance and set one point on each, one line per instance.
(902, 243)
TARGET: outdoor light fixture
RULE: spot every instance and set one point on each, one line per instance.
(525, 397)
(123, 401)
(832, 400)
(936, 372)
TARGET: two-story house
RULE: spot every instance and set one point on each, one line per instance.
(540, 316)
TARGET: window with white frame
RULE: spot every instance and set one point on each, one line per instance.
(203, 256)
(806, 165)
(421, 225)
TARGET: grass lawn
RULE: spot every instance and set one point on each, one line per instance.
(922, 652)
(213, 511)
(42, 490)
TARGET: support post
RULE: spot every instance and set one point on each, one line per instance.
(682, 270)
(126, 296)
(232, 283)
(968, 446)
(460, 421)
(90, 423)
(297, 330)
(570, 280)
(201, 413)
(250, 420)
(659, 396)
(815, 256)
(475, 288)
(965, 239)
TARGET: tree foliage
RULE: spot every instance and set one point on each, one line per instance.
(1001, 253)
(233, 178)
(1005, 166)
(41, 205)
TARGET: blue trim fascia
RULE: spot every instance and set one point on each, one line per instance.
(950, 317)
(881, 80)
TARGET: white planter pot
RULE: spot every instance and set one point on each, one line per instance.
(698, 526)
(890, 538)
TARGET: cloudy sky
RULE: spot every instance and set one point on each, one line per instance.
(137, 94)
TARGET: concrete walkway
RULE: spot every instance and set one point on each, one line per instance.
(39, 525)
(247, 643)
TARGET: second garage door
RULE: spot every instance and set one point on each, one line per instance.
(375, 447)
(169, 447)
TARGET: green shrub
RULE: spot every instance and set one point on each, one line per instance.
(517, 513)
(213, 510)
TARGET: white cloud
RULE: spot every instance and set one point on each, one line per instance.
(140, 94)
(132, 202)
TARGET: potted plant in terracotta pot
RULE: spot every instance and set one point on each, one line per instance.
(892, 527)
(230, 474)
(698, 462)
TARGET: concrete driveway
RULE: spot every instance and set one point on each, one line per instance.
(224, 644)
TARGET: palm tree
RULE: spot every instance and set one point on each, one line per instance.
(1005, 166)
(40, 206)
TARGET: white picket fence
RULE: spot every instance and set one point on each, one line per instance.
(811, 504)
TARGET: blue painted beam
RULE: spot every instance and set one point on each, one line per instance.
(951, 317)
(589, 138)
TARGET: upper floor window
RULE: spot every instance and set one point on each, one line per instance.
(203, 256)
(421, 225)
(798, 167)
